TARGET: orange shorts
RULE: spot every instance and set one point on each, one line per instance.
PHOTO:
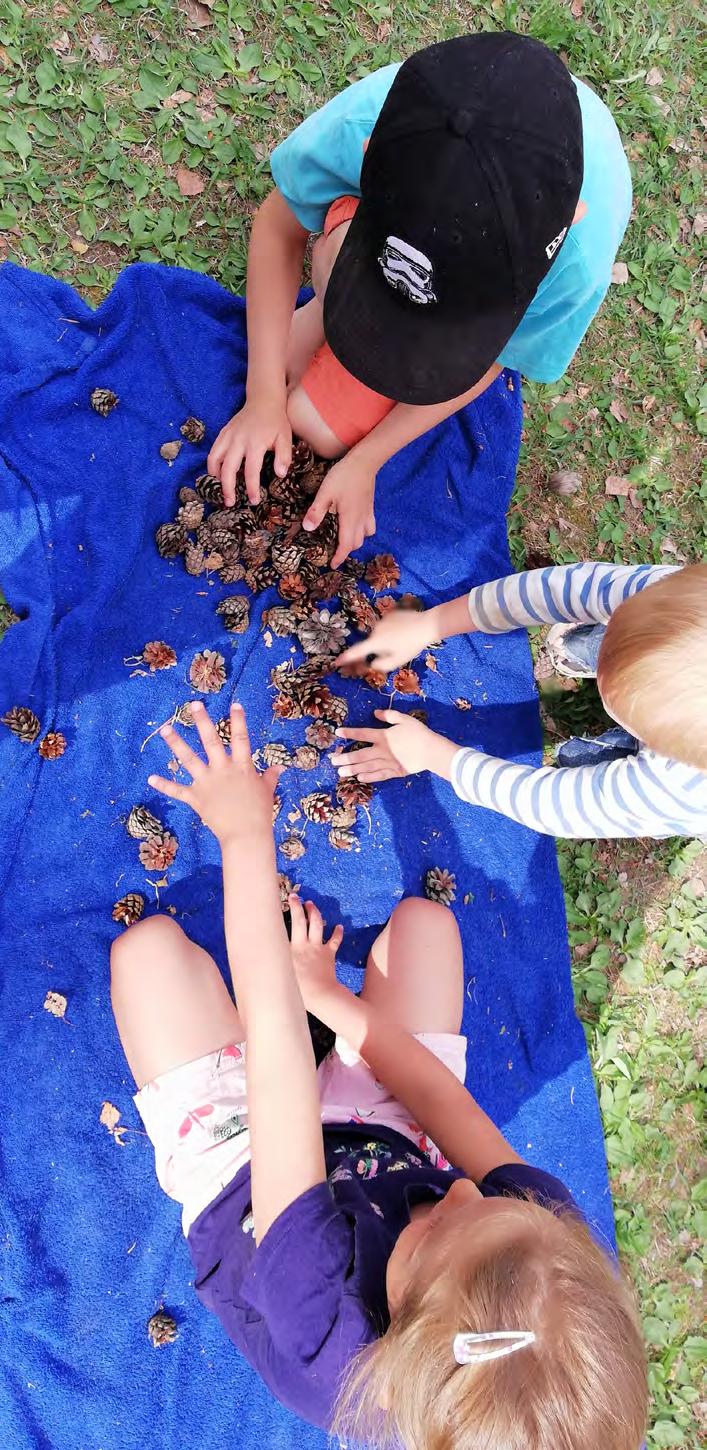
(349, 408)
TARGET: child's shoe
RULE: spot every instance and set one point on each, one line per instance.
(573, 649)
(613, 744)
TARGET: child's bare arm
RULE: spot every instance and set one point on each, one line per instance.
(275, 258)
(435, 1099)
(287, 1151)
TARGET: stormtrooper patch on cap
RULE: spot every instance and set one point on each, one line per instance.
(407, 270)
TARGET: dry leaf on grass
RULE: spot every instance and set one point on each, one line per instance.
(189, 182)
(654, 77)
(196, 15)
(618, 410)
(177, 98)
(55, 1003)
(616, 486)
(619, 273)
(78, 246)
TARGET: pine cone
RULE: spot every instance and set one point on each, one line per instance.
(171, 539)
(306, 757)
(224, 542)
(275, 753)
(419, 715)
(141, 823)
(53, 745)
(194, 559)
(320, 734)
(158, 852)
(187, 494)
(191, 514)
(282, 514)
(129, 909)
(236, 613)
(292, 847)
(104, 400)
(375, 679)
(323, 633)
(312, 478)
(208, 671)
(317, 806)
(302, 458)
(223, 729)
(286, 889)
(228, 519)
(282, 621)
(410, 601)
(162, 1329)
(286, 556)
(315, 700)
(385, 605)
(351, 792)
(292, 586)
(158, 655)
(336, 710)
(22, 722)
(287, 490)
(353, 568)
(184, 715)
(7, 616)
(343, 839)
(327, 586)
(407, 682)
(284, 707)
(318, 552)
(209, 488)
(344, 816)
(440, 885)
(382, 572)
(359, 609)
(276, 807)
(255, 548)
(193, 430)
(232, 572)
(263, 577)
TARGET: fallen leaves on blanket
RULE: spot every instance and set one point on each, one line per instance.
(162, 1329)
(110, 1117)
(171, 450)
(55, 1003)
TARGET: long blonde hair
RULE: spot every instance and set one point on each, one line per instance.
(652, 670)
(580, 1386)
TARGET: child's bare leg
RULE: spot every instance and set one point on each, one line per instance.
(415, 971)
(169, 999)
(306, 338)
(307, 423)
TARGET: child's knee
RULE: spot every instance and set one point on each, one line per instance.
(146, 940)
(416, 912)
(307, 423)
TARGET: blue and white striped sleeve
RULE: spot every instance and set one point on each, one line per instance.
(575, 593)
(642, 795)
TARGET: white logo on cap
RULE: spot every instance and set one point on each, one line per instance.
(552, 246)
(407, 270)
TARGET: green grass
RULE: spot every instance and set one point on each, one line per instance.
(90, 144)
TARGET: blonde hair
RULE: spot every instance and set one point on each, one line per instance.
(580, 1386)
(652, 671)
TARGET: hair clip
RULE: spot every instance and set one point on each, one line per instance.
(508, 1341)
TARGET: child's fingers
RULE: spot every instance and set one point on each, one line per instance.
(240, 744)
(208, 733)
(232, 461)
(336, 938)
(271, 776)
(355, 653)
(283, 453)
(351, 732)
(298, 929)
(253, 464)
(370, 775)
(316, 511)
(170, 788)
(391, 717)
(315, 923)
(184, 753)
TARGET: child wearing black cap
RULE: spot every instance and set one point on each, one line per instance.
(472, 201)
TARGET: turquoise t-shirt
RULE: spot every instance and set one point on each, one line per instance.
(322, 160)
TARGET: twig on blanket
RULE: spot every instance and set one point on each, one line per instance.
(159, 727)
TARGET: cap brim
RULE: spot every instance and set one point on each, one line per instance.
(417, 353)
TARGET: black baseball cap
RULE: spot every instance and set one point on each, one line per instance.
(469, 184)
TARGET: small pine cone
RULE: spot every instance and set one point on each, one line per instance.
(171, 539)
(311, 478)
(382, 572)
(158, 655)
(283, 514)
(286, 490)
(232, 572)
(407, 682)
(203, 534)
(286, 556)
(375, 679)
(292, 847)
(286, 889)
(327, 586)
(315, 700)
(318, 551)
(302, 458)
(343, 839)
(141, 823)
(261, 578)
(236, 613)
(208, 671)
(187, 494)
(292, 586)
(158, 852)
(209, 488)
(22, 722)
(223, 541)
(162, 1329)
(317, 807)
(284, 707)
(320, 734)
(352, 792)
(359, 609)
(213, 561)
(223, 729)
(311, 669)
(336, 710)
(281, 620)
(52, 746)
(275, 753)
(353, 568)
(440, 885)
(184, 715)
(8, 617)
(409, 601)
(276, 807)
(255, 548)
(193, 430)
(385, 605)
(228, 520)
(191, 514)
(419, 715)
(305, 757)
(323, 633)
(129, 909)
(104, 400)
(194, 559)
(344, 816)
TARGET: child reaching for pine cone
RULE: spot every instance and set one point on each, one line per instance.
(642, 630)
(379, 1291)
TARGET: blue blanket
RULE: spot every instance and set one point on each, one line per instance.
(91, 1246)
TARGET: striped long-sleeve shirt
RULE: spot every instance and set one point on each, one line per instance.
(642, 795)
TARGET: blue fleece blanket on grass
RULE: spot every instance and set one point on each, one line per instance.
(91, 1247)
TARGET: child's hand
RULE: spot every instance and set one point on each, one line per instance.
(399, 637)
(313, 959)
(405, 749)
(261, 424)
(229, 795)
(348, 490)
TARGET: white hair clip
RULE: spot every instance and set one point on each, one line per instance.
(465, 1350)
